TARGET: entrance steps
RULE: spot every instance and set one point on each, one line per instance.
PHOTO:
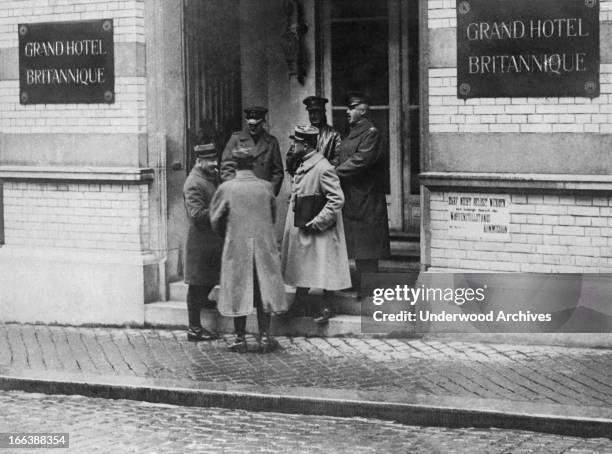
(348, 321)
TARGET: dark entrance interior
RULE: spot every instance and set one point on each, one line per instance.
(212, 60)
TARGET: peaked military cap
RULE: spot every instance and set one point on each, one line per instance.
(255, 114)
(206, 151)
(308, 134)
(355, 98)
(315, 102)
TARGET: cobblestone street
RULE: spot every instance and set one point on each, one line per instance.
(572, 376)
(101, 425)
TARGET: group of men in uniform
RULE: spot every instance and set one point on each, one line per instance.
(337, 211)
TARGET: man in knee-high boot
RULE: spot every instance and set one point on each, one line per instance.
(243, 210)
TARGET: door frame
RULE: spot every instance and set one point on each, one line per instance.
(395, 201)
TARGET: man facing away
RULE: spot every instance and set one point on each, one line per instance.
(328, 139)
(314, 249)
(203, 247)
(362, 170)
(243, 210)
(267, 160)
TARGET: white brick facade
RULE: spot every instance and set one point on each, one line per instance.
(111, 217)
(557, 231)
(76, 198)
(128, 16)
(548, 233)
(448, 113)
(126, 115)
(443, 13)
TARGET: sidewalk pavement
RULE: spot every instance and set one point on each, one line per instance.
(414, 381)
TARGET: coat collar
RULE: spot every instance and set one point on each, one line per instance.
(206, 176)
(310, 162)
(363, 125)
(260, 146)
(245, 175)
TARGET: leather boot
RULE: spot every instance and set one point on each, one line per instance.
(239, 345)
(196, 332)
(267, 343)
(325, 311)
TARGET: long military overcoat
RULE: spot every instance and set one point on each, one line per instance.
(244, 209)
(328, 143)
(203, 246)
(316, 260)
(363, 175)
(268, 164)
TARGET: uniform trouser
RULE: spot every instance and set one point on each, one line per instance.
(196, 295)
(263, 318)
(365, 266)
(302, 292)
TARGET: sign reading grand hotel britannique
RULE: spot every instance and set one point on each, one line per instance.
(519, 48)
(66, 62)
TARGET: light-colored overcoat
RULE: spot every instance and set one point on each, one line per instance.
(316, 260)
(243, 209)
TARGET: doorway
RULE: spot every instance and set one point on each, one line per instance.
(373, 47)
(212, 73)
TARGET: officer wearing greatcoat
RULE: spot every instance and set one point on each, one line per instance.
(362, 170)
(314, 254)
(267, 160)
(203, 247)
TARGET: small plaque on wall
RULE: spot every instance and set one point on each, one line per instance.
(66, 62)
(520, 48)
(474, 216)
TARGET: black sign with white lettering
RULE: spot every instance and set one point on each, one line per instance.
(519, 48)
(66, 62)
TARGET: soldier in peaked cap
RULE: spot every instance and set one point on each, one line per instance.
(362, 170)
(243, 210)
(203, 247)
(328, 139)
(314, 249)
(268, 164)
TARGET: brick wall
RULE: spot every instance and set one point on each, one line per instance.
(548, 233)
(127, 114)
(447, 113)
(69, 214)
(442, 13)
(540, 135)
(85, 216)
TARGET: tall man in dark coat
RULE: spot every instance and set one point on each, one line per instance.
(362, 170)
(268, 163)
(329, 139)
(203, 247)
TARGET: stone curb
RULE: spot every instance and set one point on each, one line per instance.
(447, 412)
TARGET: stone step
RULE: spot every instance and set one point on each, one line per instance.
(344, 302)
(178, 290)
(407, 248)
(174, 314)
